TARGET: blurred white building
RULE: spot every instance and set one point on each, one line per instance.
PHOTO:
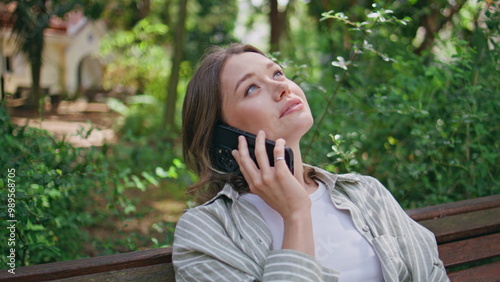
(68, 67)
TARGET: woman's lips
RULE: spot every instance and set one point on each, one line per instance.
(291, 107)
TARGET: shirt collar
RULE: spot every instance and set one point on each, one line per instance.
(227, 191)
(329, 179)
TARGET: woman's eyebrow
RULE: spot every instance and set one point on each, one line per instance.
(271, 64)
(245, 77)
(248, 75)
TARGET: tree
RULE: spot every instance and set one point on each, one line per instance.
(136, 58)
(177, 57)
(209, 22)
(125, 14)
(30, 19)
(278, 22)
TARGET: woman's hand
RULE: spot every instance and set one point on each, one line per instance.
(280, 190)
(275, 185)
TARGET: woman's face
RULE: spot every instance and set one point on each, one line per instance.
(257, 95)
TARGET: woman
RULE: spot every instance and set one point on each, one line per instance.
(269, 224)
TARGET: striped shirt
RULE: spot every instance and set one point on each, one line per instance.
(226, 239)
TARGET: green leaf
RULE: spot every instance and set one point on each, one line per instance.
(161, 172)
(118, 106)
(150, 178)
(129, 208)
(138, 183)
(178, 163)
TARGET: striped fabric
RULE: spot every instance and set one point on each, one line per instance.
(226, 239)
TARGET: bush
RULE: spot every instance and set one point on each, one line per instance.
(427, 129)
(62, 191)
(50, 197)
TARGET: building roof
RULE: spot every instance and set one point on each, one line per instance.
(69, 24)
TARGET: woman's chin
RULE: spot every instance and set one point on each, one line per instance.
(299, 129)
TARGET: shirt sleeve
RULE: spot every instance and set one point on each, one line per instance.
(203, 250)
(291, 265)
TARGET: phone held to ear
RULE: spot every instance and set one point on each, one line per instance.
(225, 140)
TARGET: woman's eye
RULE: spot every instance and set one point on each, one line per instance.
(251, 89)
(278, 74)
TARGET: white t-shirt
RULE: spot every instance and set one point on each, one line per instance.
(338, 245)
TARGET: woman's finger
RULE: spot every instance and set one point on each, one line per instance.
(236, 156)
(279, 155)
(246, 161)
(261, 153)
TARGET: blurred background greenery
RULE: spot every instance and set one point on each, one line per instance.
(405, 91)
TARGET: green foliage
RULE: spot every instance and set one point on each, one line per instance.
(427, 129)
(46, 178)
(62, 191)
(137, 59)
(140, 116)
(210, 22)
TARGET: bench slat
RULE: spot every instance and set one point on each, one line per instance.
(463, 226)
(159, 272)
(79, 267)
(453, 208)
(484, 273)
(471, 250)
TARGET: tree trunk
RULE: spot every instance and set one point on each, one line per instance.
(33, 47)
(144, 7)
(177, 56)
(278, 22)
(33, 101)
(2, 88)
(275, 22)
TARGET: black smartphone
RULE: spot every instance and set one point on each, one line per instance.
(225, 139)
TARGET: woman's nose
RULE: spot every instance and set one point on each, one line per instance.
(281, 89)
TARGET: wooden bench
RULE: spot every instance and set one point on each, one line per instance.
(467, 233)
(468, 236)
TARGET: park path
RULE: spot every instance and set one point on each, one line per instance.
(72, 121)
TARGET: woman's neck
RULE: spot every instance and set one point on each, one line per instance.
(309, 184)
